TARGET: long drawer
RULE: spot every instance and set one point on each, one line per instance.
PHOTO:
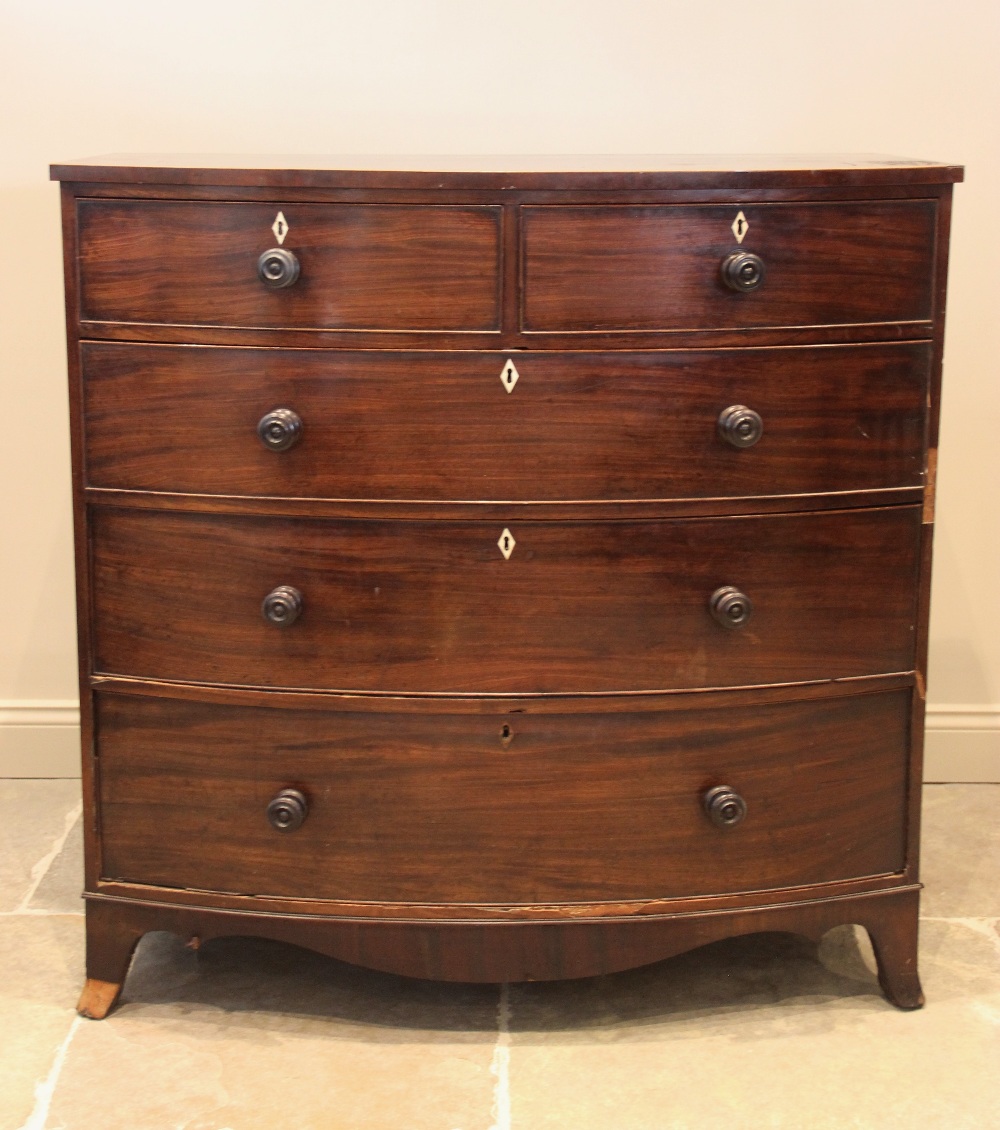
(502, 808)
(442, 426)
(538, 607)
(660, 267)
(362, 266)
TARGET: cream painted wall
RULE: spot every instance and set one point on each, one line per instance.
(907, 77)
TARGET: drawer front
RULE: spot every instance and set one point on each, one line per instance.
(436, 607)
(659, 267)
(441, 426)
(442, 808)
(362, 266)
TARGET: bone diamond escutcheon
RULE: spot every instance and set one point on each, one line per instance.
(506, 543)
(509, 375)
(741, 225)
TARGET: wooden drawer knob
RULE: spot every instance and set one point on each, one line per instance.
(730, 607)
(282, 606)
(288, 810)
(724, 806)
(278, 268)
(742, 271)
(740, 426)
(279, 430)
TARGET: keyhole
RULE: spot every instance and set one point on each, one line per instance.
(509, 376)
(739, 227)
(506, 734)
(506, 543)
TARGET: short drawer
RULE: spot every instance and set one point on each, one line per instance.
(516, 809)
(361, 266)
(660, 267)
(443, 426)
(438, 607)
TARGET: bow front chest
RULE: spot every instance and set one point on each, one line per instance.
(505, 572)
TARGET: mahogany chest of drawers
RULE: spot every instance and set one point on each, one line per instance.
(503, 573)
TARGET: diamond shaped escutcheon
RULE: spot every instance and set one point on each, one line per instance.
(509, 375)
(506, 543)
(280, 228)
(741, 225)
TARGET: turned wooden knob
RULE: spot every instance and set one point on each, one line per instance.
(740, 426)
(279, 430)
(724, 806)
(277, 268)
(730, 607)
(282, 606)
(742, 271)
(288, 810)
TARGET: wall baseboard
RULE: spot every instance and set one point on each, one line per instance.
(41, 738)
(962, 743)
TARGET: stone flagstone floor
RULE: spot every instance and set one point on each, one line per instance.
(761, 1032)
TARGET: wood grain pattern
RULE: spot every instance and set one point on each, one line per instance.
(593, 644)
(442, 807)
(433, 606)
(657, 268)
(440, 426)
(380, 267)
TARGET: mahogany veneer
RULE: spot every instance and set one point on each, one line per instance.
(365, 266)
(539, 808)
(411, 607)
(842, 262)
(503, 572)
(597, 426)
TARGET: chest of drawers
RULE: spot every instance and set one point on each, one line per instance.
(503, 573)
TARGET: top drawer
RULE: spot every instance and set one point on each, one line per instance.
(659, 267)
(362, 266)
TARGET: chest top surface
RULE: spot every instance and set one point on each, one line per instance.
(518, 171)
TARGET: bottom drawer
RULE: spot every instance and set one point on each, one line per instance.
(513, 808)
